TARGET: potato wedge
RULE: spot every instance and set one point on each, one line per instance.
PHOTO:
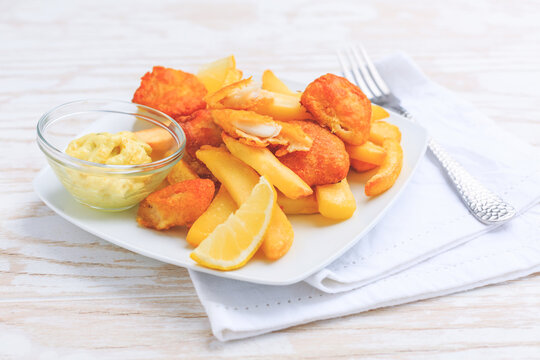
(267, 165)
(381, 130)
(305, 205)
(378, 113)
(367, 152)
(362, 166)
(213, 74)
(336, 201)
(219, 210)
(389, 170)
(239, 179)
(279, 236)
(181, 172)
(272, 83)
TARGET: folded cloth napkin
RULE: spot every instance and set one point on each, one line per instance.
(390, 265)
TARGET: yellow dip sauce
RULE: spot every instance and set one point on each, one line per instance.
(122, 148)
(110, 191)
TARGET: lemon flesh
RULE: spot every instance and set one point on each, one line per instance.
(234, 242)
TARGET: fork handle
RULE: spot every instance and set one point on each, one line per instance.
(485, 205)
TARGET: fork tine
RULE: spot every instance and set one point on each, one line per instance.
(344, 68)
(374, 72)
(360, 80)
(365, 73)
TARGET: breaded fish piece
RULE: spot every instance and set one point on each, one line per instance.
(174, 92)
(339, 105)
(200, 129)
(261, 131)
(326, 162)
(176, 205)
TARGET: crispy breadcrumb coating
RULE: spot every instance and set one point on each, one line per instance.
(339, 105)
(326, 162)
(174, 92)
(176, 205)
(200, 129)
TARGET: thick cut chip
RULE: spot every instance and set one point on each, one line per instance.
(305, 205)
(339, 105)
(389, 170)
(267, 165)
(362, 166)
(336, 201)
(239, 179)
(381, 130)
(181, 172)
(176, 205)
(174, 92)
(367, 152)
(234, 242)
(272, 83)
(219, 210)
(378, 113)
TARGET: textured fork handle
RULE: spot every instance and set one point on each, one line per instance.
(486, 206)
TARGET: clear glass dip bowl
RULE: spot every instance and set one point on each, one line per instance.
(100, 186)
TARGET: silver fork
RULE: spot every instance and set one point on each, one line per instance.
(486, 206)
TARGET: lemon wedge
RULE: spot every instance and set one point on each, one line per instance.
(214, 74)
(234, 242)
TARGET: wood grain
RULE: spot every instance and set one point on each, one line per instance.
(80, 297)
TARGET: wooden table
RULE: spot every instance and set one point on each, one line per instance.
(85, 298)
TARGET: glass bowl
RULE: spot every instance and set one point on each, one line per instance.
(100, 186)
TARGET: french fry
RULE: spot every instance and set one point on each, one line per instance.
(219, 210)
(213, 74)
(378, 113)
(361, 166)
(239, 179)
(381, 130)
(336, 201)
(367, 152)
(272, 83)
(279, 236)
(389, 170)
(267, 165)
(181, 172)
(305, 205)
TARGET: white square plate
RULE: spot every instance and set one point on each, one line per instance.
(318, 241)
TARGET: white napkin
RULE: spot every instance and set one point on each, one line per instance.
(427, 220)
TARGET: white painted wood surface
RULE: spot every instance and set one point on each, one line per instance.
(71, 298)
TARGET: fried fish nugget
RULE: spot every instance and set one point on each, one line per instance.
(326, 162)
(339, 105)
(200, 129)
(176, 205)
(174, 92)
